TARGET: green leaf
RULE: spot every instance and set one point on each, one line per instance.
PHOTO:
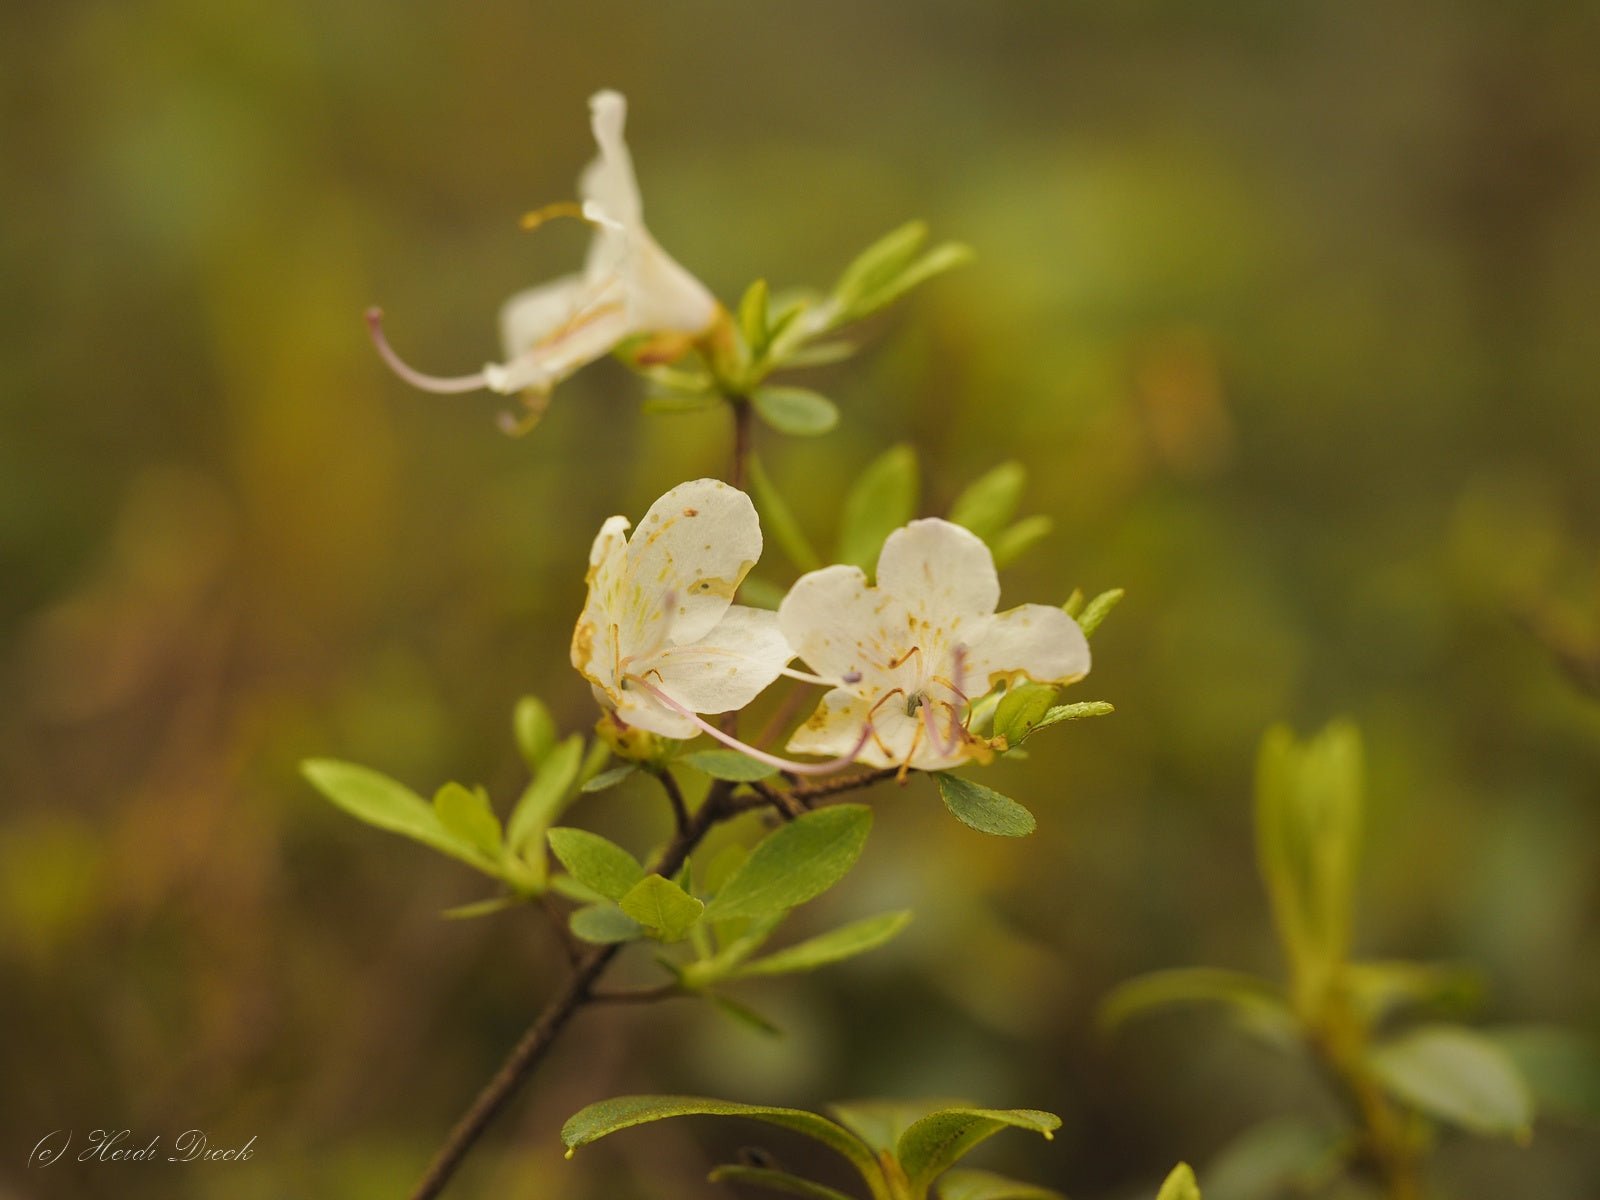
(1099, 609)
(944, 257)
(609, 778)
(882, 499)
(937, 1142)
(967, 1184)
(819, 354)
(982, 808)
(595, 861)
(468, 815)
(1074, 604)
(879, 1122)
(604, 924)
(991, 500)
(753, 318)
(845, 942)
(1016, 540)
(795, 863)
(482, 908)
(1072, 712)
(778, 519)
(669, 403)
(543, 799)
(729, 765)
(534, 729)
(624, 1112)
(665, 910)
(1561, 1067)
(1308, 829)
(1455, 1075)
(1259, 1004)
(877, 266)
(1021, 709)
(1280, 1157)
(386, 804)
(797, 411)
(775, 1181)
(1180, 1185)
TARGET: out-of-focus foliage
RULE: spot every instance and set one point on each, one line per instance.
(1286, 310)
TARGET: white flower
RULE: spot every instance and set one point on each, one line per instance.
(628, 286)
(909, 655)
(660, 639)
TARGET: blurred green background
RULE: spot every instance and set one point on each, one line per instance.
(1288, 308)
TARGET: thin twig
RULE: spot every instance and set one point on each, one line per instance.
(680, 810)
(806, 793)
(782, 799)
(558, 927)
(743, 430)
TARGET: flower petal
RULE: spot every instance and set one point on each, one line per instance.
(834, 622)
(939, 571)
(687, 558)
(646, 712)
(1037, 640)
(595, 651)
(834, 728)
(727, 668)
(608, 182)
(551, 330)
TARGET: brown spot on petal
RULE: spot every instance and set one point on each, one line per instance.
(691, 512)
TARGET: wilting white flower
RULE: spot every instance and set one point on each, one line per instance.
(628, 286)
(908, 656)
(660, 638)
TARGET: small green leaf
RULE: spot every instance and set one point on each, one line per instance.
(967, 1184)
(665, 910)
(778, 519)
(818, 354)
(879, 1122)
(775, 1181)
(1308, 830)
(1180, 1185)
(753, 318)
(482, 908)
(608, 779)
(797, 411)
(671, 404)
(534, 729)
(604, 924)
(1074, 604)
(1257, 1003)
(982, 808)
(881, 500)
(991, 500)
(1455, 1075)
(1021, 709)
(1072, 712)
(382, 802)
(1380, 989)
(543, 799)
(944, 257)
(845, 942)
(1016, 540)
(877, 266)
(468, 815)
(624, 1112)
(1280, 1157)
(729, 765)
(1098, 609)
(795, 863)
(595, 861)
(936, 1143)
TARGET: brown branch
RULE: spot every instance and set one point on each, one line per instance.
(680, 810)
(574, 994)
(578, 991)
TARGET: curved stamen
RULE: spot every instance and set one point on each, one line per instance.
(945, 746)
(761, 756)
(428, 383)
(550, 212)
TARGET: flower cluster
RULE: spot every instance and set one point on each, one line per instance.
(663, 644)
